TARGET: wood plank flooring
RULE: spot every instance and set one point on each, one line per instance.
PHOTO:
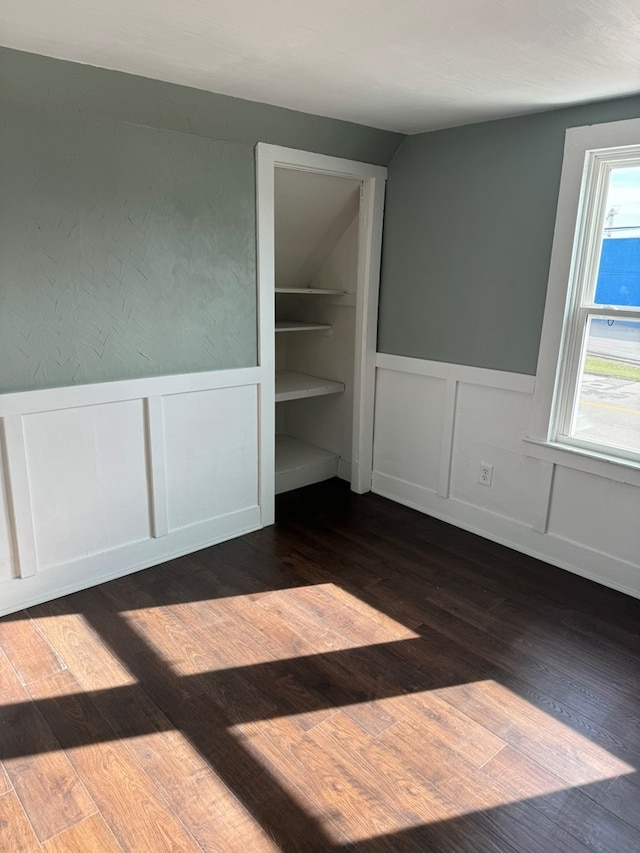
(358, 677)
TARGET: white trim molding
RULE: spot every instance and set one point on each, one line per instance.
(74, 396)
(372, 178)
(155, 459)
(457, 372)
(572, 258)
(619, 470)
(19, 498)
(309, 161)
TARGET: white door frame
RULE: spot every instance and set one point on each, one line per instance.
(373, 178)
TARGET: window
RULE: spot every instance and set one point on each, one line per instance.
(588, 386)
(597, 402)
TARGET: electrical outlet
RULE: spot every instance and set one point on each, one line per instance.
(485, 475)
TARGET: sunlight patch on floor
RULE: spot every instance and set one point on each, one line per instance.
(372, 769)
(77, 645)
(574, 756)
(238, 631)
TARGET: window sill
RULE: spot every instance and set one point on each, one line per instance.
(621, 470)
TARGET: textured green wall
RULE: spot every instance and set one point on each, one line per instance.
(124, 251)
(468, 231)
(71, 88)
(127, 224)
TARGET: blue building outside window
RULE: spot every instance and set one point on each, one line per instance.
(619, 274)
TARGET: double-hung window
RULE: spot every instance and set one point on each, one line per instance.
(588, 384)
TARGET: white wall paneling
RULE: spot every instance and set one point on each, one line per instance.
(8, 555)
(599, 513)
(211, 441)
(489, 425)
(156, 463)
(100, 480)
(18, 498)
(408, 448)
(446, 438)
(542, 498)
(88, 480)
(435, 423)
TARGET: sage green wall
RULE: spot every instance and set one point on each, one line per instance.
(124, 251)
(127, 224)
(469, 224)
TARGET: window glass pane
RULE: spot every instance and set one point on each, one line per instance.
(618, 281)
(608, 400)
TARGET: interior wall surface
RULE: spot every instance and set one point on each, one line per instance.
(469, 223)
(127, 229)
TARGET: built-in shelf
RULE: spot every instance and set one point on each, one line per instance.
(314, 290)
(295, 386)
(299, 464)
(297, 326)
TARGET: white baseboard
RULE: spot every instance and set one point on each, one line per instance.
(18, 593)
(563, 553)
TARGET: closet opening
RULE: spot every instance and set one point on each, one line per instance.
(319, 235)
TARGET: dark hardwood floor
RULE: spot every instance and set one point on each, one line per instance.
(358, 677)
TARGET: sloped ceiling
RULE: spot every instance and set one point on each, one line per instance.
(312, 213)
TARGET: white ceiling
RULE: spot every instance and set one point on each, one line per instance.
(405, 65)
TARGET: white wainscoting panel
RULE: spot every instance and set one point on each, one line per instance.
(600, 513)
(409, 447)
(489, 425)
(585, 523)
(98, 481)
(88, 480)
(19, 498)
(7, 559)
(211, 454)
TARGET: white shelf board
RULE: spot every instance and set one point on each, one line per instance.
(313, 290)
(297, 326)
(295, 386)
(299, 464)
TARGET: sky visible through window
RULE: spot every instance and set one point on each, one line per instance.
(624, 198)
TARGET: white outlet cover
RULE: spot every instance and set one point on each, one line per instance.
(485, 475)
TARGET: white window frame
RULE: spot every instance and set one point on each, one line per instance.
(589, 153)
